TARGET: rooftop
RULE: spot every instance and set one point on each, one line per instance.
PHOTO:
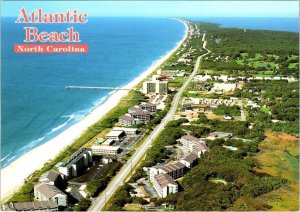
(173, 167)
(190, 158)
(48, 190)
(30, 206)
(50, 175)
(190, 138)
(113, 148)
(126, 118)
(115, 133)
(125, 129)
(74, 156)
(164, 180)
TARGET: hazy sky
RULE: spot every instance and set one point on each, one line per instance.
(162, 8)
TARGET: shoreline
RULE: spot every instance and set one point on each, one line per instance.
(35, 159)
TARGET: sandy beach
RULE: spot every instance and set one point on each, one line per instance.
(13, 176)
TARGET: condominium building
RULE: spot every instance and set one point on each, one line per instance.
(116, 135)
(189, 160)
(128, 131)
(76, 163)
(128, 120)
(164, 185)
(46, 192)
(108, 142)
(105, 150)
(174, 169)
(51, 177)
(148, 106)
(194, 145)
(188, 140)
(139, 113)
(155, 87)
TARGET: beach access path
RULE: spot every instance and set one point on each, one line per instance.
(100, 202)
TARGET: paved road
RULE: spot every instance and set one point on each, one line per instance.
(119, 178)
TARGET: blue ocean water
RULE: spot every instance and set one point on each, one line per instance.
(278, 24)
(35, 104)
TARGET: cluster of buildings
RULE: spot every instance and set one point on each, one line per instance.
(117, 134)
(171, 73)
(226, 78)
(47, 195)
(223, 87)
(138, 114)
(203, 104)
(163, 177)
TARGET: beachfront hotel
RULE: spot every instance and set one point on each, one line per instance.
(155, 87)
(76, 164)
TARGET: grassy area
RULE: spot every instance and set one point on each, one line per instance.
(277, 157)
(177, 82)
(266, 110)
(25, 193)
(293, 65)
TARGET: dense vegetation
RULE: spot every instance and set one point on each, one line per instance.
(279, 100)
(201, 188)
(227, 110)
(240, 52)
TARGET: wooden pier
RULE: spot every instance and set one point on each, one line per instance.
(96, 88)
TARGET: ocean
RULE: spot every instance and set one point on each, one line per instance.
(35, 104)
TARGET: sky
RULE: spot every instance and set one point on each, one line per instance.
(160, 8)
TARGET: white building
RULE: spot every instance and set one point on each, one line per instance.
(155, 87)
(116, 135)
(164, 185)
(105, 150)
(128, 120)
(45, 192)
(108, 142)
(189, 160)
(76, 163)
(223, 87)
(194, 145)
(127, 130)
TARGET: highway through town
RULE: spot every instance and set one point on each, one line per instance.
(100, 201)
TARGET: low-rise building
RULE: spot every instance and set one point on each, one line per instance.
(128, 120)
(174, 169)
(76, 163)
(108, 142)
(31, 206)
(51, 177)
(188, 140)
(46, 192)
(139, 113)
(127, 131)
(148, 106)
(105, 150)
(189, 160)
(116, 135)
(194, 145)
(164, 185)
